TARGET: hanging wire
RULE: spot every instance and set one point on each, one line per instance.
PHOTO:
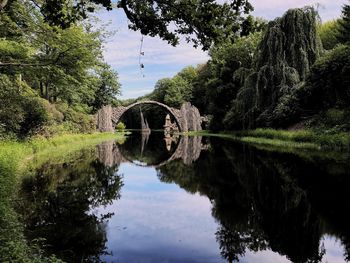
(142, 53)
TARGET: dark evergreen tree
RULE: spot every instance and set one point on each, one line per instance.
(344, 30)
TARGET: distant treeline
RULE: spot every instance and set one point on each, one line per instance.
(291, 72)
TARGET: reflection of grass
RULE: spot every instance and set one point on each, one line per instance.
(58, 147)
(14, 157)
(306, 139)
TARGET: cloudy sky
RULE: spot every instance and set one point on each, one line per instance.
(162, 60)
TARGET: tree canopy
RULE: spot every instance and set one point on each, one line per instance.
(344, 30)
(203, 22)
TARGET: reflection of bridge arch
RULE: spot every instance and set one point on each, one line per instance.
(188, 149)
(187, 117)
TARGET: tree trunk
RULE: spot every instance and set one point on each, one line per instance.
(41, 89)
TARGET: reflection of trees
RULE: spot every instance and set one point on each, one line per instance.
(57, 204)
(263, 199)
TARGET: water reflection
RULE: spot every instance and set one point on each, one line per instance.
(148, 149)
(265, 200)
(240, 203)
(57, 203)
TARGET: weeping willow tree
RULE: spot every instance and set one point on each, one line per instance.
(289, 48)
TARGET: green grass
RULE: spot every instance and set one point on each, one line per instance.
(306, 139)
(14, 158)
(279, 143)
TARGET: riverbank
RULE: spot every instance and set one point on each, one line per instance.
(14, 157)
(305, 139)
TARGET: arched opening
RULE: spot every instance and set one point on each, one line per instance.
(154, 112)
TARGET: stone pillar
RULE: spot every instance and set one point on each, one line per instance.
(104, 119)
(191, 118)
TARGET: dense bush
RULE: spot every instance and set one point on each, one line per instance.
(331, 121)
(75, 119)
(325, 93)
(120, 126)
(175, 91)
(328, 84)
(328, 33)
(21, 112)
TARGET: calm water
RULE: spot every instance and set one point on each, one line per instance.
(156, 199)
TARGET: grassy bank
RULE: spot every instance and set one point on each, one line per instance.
(14, 157)
(306, 139)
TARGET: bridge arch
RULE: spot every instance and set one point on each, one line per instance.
(118, 112)
(187, 117)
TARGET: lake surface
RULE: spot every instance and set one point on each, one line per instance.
(189, 199)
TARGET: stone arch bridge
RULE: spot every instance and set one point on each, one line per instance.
(187, 117)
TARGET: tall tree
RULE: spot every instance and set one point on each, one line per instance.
(108, 87)
(344, 30)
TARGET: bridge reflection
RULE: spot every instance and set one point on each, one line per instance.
(188, 149)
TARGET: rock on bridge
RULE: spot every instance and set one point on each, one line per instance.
(187, 117)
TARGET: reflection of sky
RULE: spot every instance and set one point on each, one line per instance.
(158, 222)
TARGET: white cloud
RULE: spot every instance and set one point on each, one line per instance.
(328, 9)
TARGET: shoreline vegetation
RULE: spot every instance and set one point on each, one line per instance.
(298, 139)
(15, 157)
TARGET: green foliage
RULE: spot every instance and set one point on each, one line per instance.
(76, 120)
(289, 48)
(176, 90)
(229, 65)
(331, 121)
(160, 89)
(108, 88)
(293, 80)
(242, 52)
(271, 78)
(199, 98)
(253, 24)
(328, 33)
(21, 112)
(344, 29)
(158, 17)
(71, 54)
(120, 126)
(328, 84)
(12, 50)
(62, 66)
(310, 138)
